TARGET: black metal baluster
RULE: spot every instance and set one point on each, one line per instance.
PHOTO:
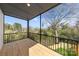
(45, 41)
(53, 42)
(70, 51)
(58, 43)
(49, 43)
(73, 47)
(41, 39)
(7, 37)
(67, 47)
(64, 45)
(77, 47)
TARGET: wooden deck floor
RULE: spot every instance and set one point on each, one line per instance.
(26, 47)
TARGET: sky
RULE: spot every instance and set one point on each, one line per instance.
(64, 8)
(12, 20)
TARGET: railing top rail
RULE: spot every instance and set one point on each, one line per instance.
(56, 37)
(14, 33)
(43, 35)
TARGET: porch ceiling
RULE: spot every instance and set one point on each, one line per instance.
(22, 11)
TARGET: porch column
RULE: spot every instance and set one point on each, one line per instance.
(1, 28)
(27, 28)
(40, 28)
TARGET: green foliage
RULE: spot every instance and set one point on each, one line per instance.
(8, 27)
(35, 37)
(14, 36)
(17, 26)
(66, 52)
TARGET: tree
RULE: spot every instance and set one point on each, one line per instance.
(55, 18)
(77, 29)
(8, 26)
(77, 25)
(17, 27)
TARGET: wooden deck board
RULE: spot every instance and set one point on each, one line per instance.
(26, 47)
